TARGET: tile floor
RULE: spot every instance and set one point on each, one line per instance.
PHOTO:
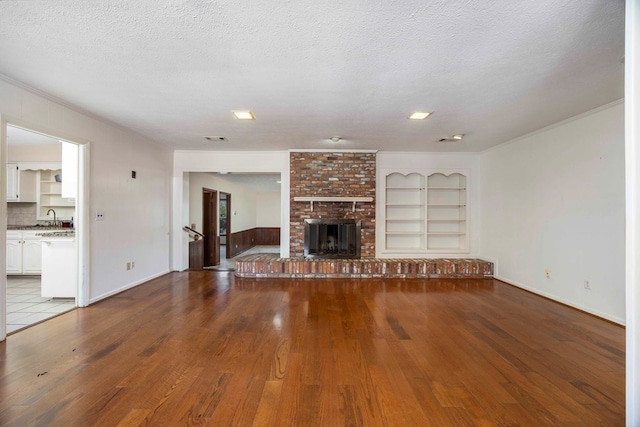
(26, 307)
(230, 263)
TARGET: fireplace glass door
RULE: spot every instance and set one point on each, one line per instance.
(332, 238)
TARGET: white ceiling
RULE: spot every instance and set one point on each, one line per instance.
(310, 70)
(17, 136)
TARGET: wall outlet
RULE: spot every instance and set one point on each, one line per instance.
(128, 266)
(547, 273)
(587, 285)
(133, 264)
(99, 216)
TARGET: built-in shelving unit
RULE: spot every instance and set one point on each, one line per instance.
(50, 196)
(405, 212)
(446, 212)
(425, 212)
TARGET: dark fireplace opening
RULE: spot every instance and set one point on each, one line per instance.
(332, 238)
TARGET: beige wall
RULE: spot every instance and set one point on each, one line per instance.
(268, 210)
(34, 153)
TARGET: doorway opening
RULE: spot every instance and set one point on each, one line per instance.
(41, 270)
(210, 227)
(225, 225)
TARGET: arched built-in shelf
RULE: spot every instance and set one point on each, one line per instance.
(425, 212)
(446, 212)
(405, 212)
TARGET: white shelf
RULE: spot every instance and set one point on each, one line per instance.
(400, 233)
(406, 188)
(448, 188)
(447, 227)
(405, 212)
(49, 196)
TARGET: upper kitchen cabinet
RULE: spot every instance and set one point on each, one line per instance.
(70, 168)
(21, 184)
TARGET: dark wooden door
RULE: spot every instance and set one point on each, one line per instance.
(228, 226)
(210, 227)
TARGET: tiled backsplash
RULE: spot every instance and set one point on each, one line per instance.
(22, 214)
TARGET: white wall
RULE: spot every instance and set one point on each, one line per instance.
(137, 212)
(632, 158)
(268, 210)
(554, 200)
(405, 163)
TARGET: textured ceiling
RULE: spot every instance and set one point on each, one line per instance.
(309, 69)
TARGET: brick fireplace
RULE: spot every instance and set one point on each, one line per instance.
(332, 174)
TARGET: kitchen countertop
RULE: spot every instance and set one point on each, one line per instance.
(36, 228)
(46, 231)
(69, 233)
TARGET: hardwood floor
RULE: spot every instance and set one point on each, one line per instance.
(205, 348)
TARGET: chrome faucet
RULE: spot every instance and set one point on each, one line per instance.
(55, 223)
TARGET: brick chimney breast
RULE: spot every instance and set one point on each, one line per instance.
(335, 174)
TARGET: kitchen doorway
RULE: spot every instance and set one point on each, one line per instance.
(41, 218)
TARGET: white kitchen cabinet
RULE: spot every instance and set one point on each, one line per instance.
(12, 182)
(70, 168)
(14, 254)
(31, 255)
(21, 184)
(24, 253)
(59, 267)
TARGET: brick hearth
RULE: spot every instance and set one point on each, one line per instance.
(270, 265)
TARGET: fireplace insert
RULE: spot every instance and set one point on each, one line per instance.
(332, 238)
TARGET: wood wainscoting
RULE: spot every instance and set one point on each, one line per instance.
(244, 240)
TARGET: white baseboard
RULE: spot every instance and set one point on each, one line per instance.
(128, 286)
(589, 310)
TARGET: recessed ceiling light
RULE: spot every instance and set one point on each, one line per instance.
(335, 139)
(244, 115)
(215, 138)
(419, 115)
